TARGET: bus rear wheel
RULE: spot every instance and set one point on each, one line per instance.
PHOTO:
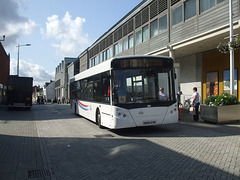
(98, 119)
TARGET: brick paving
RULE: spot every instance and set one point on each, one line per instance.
(50, 142)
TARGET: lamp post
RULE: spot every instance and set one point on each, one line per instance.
(231, 50)
(3, 38)
(18, 46)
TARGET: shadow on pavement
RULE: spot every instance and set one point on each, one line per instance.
(37, 112)
(109, 158)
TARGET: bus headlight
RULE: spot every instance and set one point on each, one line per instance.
(119, 114)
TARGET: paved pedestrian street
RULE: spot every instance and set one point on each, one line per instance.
(50, 142)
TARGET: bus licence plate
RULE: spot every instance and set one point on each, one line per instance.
(149, 122)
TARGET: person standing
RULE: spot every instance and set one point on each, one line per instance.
(179, 103)
(162, 95)
(195, 103)
(179, 98)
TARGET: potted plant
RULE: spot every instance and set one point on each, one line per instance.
(221, 108)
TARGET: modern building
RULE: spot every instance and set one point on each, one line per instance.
(187, 30)
(4, 72)
(61, 78)
(49, 91)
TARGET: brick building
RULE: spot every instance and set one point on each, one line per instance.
(4, 72)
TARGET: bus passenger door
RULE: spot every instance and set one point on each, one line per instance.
(106, 114)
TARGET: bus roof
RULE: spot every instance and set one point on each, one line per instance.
(106, 66)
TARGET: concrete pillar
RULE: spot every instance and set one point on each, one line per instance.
(176, 67)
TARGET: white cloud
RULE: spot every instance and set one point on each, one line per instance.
(68, 33)
(12, 24)
(28, 69)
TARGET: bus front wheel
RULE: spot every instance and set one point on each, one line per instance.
(98, 119)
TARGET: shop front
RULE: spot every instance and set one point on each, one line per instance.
(216, 73)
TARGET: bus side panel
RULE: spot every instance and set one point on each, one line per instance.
(106, 115)
(89, 111)
(85, 109)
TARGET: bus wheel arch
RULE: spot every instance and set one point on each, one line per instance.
(98, 118)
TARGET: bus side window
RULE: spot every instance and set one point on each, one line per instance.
(83, 94)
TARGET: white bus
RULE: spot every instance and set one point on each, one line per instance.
(124, 92)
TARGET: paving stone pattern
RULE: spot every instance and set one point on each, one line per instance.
(50, 142)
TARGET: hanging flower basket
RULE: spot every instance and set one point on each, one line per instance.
(225, 47)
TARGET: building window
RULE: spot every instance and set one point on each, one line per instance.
(177, 15)
(163, 23)
(125, 44)
(206, 4)
(190, 9)
(154, 28)
(107, 54)
(116, 49)
(226, 81)
(96, 60)
(120, 47)
(130, 41)
(139, 37)
(145, 33)
(91, 63)
(212, 84)
(101, 57)
(110, 52)
(219, 1)
(104, 56)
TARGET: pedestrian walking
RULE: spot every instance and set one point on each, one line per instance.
(63, 99)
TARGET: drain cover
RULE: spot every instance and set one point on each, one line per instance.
(103, 135)
(39, 173)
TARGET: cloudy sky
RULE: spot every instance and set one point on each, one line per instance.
(55, 29)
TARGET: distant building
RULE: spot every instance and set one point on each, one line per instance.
(37, 92)
(61, 78)
(49, 91)
(4, 72)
